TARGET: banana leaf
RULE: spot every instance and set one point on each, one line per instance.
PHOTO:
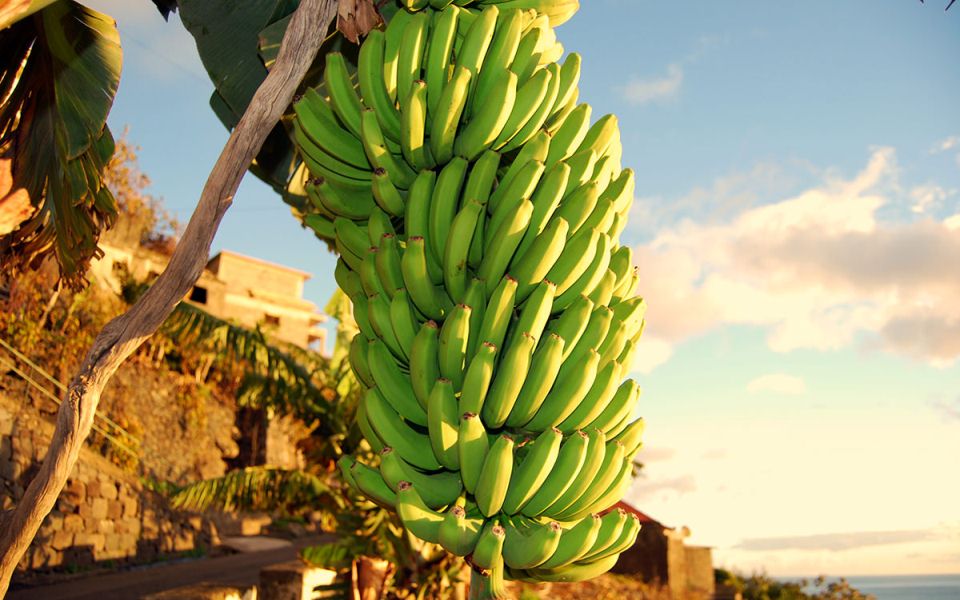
(60, 72)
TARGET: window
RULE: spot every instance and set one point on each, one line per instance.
(198, 295)
(272, 320)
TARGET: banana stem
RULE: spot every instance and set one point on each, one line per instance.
(488, 587)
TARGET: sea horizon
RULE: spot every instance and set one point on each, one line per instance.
(939, 586)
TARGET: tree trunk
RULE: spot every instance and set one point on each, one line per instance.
(123, 335)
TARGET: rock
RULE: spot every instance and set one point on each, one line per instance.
(73, 523)
(62, 540)
(98, 509)
(114, 509)
(292, 581)
(108, 490)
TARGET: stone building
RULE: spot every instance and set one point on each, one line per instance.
(661, 557)
(233, 287)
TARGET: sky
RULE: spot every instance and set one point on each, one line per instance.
(797, 230)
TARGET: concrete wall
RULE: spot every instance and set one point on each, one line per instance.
(103, 513)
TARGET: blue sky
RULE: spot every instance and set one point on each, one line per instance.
(797, 228)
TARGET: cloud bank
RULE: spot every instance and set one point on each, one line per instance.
(820, 270)
(644, 91)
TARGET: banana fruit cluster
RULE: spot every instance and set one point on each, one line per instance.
(477, 212)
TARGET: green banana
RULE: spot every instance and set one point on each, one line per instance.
(518, 190)
(405, 323)
(477, 41)
(570, 134)
(369, 481)
(443, 205)
(424, 366)
(443, 424)
(579, 571)
(603, 292)
(566, 469)
(631, 437)
(373, 88)
(601, 135)
(601, 393)
(572, 323)
(476, 298)
(391, 50)
(535, 312)
(458, 533)
(489, 549)
(591, 277)
(545, 202)
(567, 392)
(366, 428)
(607, 474)
(592, 336)
(494, 479)
(483, 174)
(621, 405)
(569, 81)
(436, 71)
(576, 258)
(593, 461)
(476, 381)
(581, 169)
(379, 154)
(410, 58)
(319, 123)
(535, 150)
(378, 309)
(454, 336)
(343, 96)
(508, 380)
(611, 494)
(379, 225)
(413, 446)
(532, 471)
(533, 265)
(489, 120)
(446, 119)
(417, 211)
(419, 519)
(387, 261)
(535, 122)
(508, 236)
(530, 97)
(413, 128)
(496, 317)
(437, 490)
(525, 550)
(358, 360)
(369, 278)
(429, 300)
(625, 541)
(577, 206)
(501, 52)
(458, 247)
(544, 368)
(575, 542)
(472, 445)
(394, 387)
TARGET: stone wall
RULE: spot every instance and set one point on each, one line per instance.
(103, 514)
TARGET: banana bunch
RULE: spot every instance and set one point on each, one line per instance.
(558, 11)
(477, 212)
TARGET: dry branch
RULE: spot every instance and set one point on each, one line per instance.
(123, 335)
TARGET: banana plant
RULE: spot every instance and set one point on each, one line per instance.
(59, 73)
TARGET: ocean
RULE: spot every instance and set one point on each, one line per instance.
(909, 587)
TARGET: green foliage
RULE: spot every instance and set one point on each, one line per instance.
(760, 586)
(60, 71)
(257, 488)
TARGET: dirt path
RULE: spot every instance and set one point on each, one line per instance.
(235, 569)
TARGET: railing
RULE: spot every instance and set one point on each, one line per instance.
(118, 437)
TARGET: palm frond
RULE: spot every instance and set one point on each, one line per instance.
(274, 378)
(256, 488)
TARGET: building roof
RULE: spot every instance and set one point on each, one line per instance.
(645, 519)
(272, 265)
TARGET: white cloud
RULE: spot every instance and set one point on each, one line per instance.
(777, 383)
(678, 486)
(819, 270)
(928, 196)
(838, 541)
(643, 91)
(946, 144)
